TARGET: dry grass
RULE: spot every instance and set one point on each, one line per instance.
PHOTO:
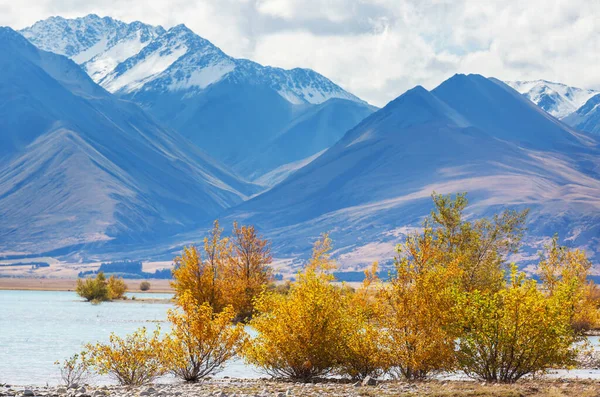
(58, 284)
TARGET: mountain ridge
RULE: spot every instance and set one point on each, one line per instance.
(560, 100)
(587, 117)
(374, 185)
(78, 166)
(232, 108)
(43, 32)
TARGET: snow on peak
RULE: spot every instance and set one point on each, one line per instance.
(308, 86)
(98, 44)
(298, 86)
(587, 117)
(154, 65)
(127, 58)
(558, 99)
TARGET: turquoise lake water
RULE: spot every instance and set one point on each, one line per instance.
(38, 328)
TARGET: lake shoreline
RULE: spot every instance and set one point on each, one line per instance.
(69, 284)
(265, 387)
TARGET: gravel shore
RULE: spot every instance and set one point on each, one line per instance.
(269, 388)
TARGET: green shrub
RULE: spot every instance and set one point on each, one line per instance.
(514, 332)
(100, 289)
(93, 289)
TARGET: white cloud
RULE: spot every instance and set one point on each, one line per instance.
(379, 48)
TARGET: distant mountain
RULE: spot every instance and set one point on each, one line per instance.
(469, 134)
(314, 129)
(232, 108)
(587, 117)
(99, 44)
(558, 99)
(79, 166)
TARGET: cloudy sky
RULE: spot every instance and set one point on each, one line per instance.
(376, 49)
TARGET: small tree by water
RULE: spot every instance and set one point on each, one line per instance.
(135, 360)
(100, 289)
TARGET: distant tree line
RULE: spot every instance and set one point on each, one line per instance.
(35, 265)
(127, 269)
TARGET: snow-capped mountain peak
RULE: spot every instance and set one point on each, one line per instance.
(98, 44)
(146, 65)
(306, 85)
(587, 117)
(128, 58)
(558, 99)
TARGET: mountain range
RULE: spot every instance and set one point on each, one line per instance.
(129, 137)
(80, 166)
(576, 107)
(237, 110)
(560, 100)
(469, 134)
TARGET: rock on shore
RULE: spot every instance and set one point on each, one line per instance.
(270, 388)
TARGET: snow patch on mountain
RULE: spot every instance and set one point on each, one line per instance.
(204, 77)
(558, 99)
(91, 52)
(70, 37)
(312, 95)
(103, 63)
(143, 72)
(301, 86)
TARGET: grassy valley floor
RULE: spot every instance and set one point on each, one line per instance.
(264, 388)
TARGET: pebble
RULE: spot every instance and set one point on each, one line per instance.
(271, 388)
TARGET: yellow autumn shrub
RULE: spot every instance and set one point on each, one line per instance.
(419, 320)
(514, 332)
(135, 360)
(201, 277)
(247, 271)
(564, 271)
(480, 246)
(300, 335)
(364, 352)
(116, 288)
(201, 341)
(228, 271)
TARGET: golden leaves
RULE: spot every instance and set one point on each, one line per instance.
(513, 332)
(134, 360)
(300, 335)
(232, 271)
(564, 275)
(201, 341)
